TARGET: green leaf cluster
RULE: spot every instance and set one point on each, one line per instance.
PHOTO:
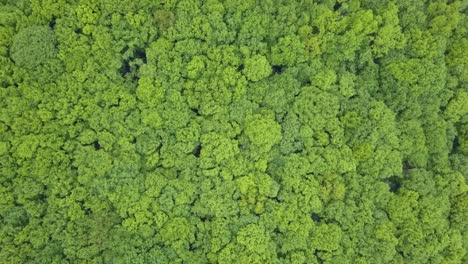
(240, 131)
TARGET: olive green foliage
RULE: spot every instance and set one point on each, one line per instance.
(240, 131)
(33, 46)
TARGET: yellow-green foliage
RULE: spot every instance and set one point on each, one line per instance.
(233, 131)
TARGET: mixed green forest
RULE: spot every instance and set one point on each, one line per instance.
(233, 131)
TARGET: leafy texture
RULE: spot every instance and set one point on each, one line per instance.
(240, 131)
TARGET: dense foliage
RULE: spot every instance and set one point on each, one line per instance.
(233, 131)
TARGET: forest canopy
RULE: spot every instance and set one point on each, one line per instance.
(233, 131)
